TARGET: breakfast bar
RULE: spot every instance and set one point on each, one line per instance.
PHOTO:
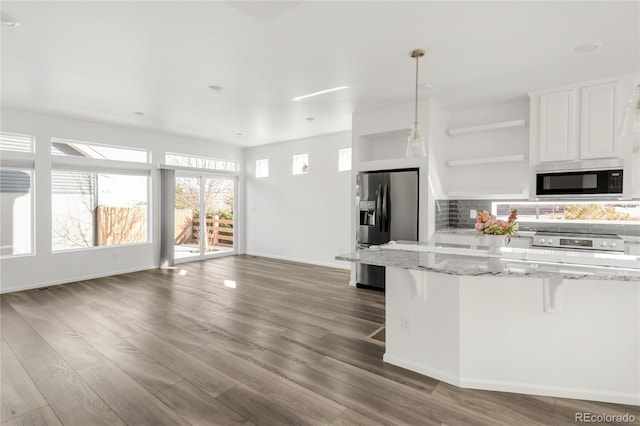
(545, 322)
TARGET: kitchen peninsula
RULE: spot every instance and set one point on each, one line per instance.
(555, 323)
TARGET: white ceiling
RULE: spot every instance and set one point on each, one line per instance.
(102, 61)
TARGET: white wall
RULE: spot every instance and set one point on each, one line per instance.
(299, 217)
(47, 268)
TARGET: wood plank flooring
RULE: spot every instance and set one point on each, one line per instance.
(287, 345)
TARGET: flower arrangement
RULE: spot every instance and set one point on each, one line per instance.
(487, 223)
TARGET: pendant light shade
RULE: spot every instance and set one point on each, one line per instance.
(416, 143)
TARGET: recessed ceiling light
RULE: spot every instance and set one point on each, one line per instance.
(310, 119)
(8, 20)
(139, 113)
(217, 89)
(588, 47)
(239, 134)
(322, 92)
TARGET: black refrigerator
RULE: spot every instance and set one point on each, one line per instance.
(387, 210)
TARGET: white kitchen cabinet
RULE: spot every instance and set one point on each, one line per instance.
(557, 126)
(578, 122)
(599, 115)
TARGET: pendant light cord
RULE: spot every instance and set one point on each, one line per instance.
(416, 117)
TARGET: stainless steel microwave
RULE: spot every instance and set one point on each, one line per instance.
(590, 183)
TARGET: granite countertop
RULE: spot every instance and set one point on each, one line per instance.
(511, 262)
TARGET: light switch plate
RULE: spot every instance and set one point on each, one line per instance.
(472, 214)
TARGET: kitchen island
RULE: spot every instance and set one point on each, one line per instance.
(555, 323)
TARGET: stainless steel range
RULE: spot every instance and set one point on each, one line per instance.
(564, 240)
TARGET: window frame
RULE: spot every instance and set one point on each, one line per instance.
(32, 144)
(528, 219)
(107, 171)
(262, 164)
(341, 153)
(28, 165)
(90, 144)
(103, 166)
(23, 160)
(293, 164)
(214, 169)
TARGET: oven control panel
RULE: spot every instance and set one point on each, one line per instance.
(595, 242)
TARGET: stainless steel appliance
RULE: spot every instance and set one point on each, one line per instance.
(590, 183)
(387, 210)
(572, 241)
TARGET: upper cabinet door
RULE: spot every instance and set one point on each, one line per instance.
(557, 126)
(598, 135)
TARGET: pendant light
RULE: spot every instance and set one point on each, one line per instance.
(415, 144)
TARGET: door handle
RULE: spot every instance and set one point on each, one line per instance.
(379, 207)
(385, 210)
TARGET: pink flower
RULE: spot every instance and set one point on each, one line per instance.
(487, 223)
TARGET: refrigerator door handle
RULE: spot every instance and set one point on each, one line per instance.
(385, 210)
(379, 207)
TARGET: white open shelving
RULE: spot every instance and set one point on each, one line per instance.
(486, 127)
(487, 160)
(506, 194)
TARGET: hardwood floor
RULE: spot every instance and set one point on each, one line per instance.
(287, 345)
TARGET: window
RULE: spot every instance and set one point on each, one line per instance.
(98, 209)
(301, 164)
(16, 211)
(16, 142)
(578, 211)
(201, 162)
(262, 168)
(344, 159)
(90, 150)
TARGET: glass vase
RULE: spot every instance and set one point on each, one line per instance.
(496, 242)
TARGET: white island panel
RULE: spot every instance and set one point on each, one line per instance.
(429, 342)
(587, 348)
(497, 333)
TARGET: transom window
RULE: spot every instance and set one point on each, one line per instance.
(16, 142)
(201, 162)
(70, 148)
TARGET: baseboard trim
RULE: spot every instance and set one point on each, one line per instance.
(430, 372)
(627, 398)
(299, 260)
(552, 391)
(74, 279)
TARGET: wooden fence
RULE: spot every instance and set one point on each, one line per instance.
(183, 230)
(217, 235)
(121, 225)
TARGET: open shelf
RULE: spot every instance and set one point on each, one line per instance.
(505, 194)
(487, 160)
(390, 164)
(486, 127)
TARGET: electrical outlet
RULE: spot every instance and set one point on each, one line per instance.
(472, 214)
(404, 323)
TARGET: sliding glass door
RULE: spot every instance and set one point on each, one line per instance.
(204, 216)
